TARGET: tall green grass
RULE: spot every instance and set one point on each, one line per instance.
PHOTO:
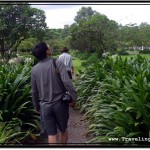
(77, 63)
(114, 94)
(135, 55)
(15, 98)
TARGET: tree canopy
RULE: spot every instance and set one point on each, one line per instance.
(18, 22)
(93, 32)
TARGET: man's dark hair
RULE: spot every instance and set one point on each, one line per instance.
(64, 49)
(39, 51)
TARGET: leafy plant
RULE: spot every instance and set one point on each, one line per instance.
(114, 94)
(15, 98)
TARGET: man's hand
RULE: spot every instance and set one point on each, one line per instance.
(72, 104)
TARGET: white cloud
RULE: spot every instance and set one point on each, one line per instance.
(125, 14)
(60, 15)
(57, 18)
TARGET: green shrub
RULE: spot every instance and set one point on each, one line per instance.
(114, 94)
(91, 59)
(123, 52)
(80, 55)
(144, 52)
(15, 97)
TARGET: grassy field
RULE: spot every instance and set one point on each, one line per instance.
(77, 65)
(77, 62)
(134, 55)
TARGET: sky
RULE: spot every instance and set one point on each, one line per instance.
(61, 14)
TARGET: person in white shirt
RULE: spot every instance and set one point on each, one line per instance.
(67, 60)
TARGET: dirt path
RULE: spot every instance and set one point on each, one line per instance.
(77, 127)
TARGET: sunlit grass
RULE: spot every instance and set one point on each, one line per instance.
(77, 65)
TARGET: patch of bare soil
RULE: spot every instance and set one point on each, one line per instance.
(77, 127)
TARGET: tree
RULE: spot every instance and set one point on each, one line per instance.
(84, 14)
(129, 36)
(19, 21)
(27, 44)
(53, 34)
(77, 29)
(144, 34)
(54, 38)
(97, 34)
(77, 40)
(104, 32)
(65, 31)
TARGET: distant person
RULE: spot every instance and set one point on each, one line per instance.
(46, 85)
(67, 60)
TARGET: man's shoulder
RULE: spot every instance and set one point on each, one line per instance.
(60, 55)
(66, 55)
(35, 68)
(59, 62)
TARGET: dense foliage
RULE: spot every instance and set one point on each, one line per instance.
(91, 31)
(94, 32)
(18, 21)
(114, 93)
(16, 109)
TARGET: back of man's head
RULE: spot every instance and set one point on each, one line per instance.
(64, 49)
(39, 50)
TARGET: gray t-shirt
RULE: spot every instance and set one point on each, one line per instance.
(46, 84)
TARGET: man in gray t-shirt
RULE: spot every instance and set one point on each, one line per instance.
(47, 85)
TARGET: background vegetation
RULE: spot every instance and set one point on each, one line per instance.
(114, 95)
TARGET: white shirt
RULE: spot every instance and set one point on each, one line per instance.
(67, 60)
